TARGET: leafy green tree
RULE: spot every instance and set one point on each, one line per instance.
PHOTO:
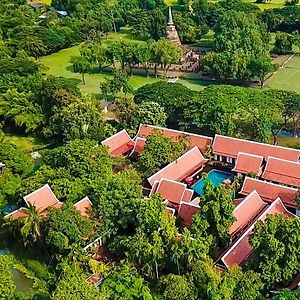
(148, 113)
(72, 285)
(276, 248)
(82, 119)
(215, 216)
(81, 65)
(262, 127)
(158, 152)
(7, 286)
(20, 109)
(283, 43)
(125, 283)
(177, 287)
(287, 295)
(260, 67)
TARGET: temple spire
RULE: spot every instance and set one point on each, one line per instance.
(170, 16)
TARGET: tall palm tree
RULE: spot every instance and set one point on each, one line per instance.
(31, 229)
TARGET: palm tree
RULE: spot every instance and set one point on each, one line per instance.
(31, 229)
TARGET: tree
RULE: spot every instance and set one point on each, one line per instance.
(262, 127)
(260, 67)
(125, 283)
(82, 119)
(276, 247)
(283, 43)
(158, 152)
(7, 286)
(287, 295)
(177, 287)
(73, 286)
(148, 113)
(216, 213)
(82, 66)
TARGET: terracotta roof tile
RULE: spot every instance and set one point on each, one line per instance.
(139, 145)
(187, 196)
(170, 190)
(83, 206)
(186, 212)
(16, 214)
(248, 163)
(42, 198)
(241, 249)
(270, 191)
(184, 166)
(230, 147)
(119, 143)
(246, 211)
(282, 171)
(202, 142)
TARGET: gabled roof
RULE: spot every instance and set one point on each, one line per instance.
(186, 212)
(119, 143)
(246, 211)
(184, 166)
(282, 171)
(43, 198)
(230, 147)
(201, 141)
(172, 191)
(248, 163)
(270, 191)
(17, 214)
(241, 249)
(83, 206)
(139, 145)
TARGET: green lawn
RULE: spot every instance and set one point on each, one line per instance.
(288, 77)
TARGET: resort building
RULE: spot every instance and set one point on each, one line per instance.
(248, 164)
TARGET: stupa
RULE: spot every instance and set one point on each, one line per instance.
(172, 34)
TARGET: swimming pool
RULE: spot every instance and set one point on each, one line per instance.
(215, 176)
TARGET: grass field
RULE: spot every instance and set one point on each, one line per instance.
(288, 77)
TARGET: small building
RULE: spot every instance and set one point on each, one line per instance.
(248, 164)
(226, 149)
(196, 140)
(84, 206)
(239, 251)
(172, 191)
(282, 171)
(188, 164)
(269, 191)
(186, 212)
(119, 144)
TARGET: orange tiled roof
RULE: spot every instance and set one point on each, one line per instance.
(184, 166)
(17, 214)
(270, 191)
(119, 143)
(241, 249)
(200, 141)
(248, 163)
(246, 211)
(230, 147)
(43, 198)
(282, 171)
(83, 206)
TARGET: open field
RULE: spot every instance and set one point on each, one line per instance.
(288, 77)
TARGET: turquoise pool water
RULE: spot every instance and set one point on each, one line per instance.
(215, 176)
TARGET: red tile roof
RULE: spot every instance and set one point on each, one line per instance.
(282, 171)
(186, 212)
(187, 196)
(241, 249)
(139, 145)
(184, 166)
(43, 198)
(83, 206)
(119, 144)
(246, 211)
(270, 191)
(248, 163)
(170, 190)
(202, 142)
(17, 214)
(230, 147)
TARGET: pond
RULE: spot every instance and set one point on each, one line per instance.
(21, 281)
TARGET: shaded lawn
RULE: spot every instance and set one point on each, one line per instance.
(288, 77)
